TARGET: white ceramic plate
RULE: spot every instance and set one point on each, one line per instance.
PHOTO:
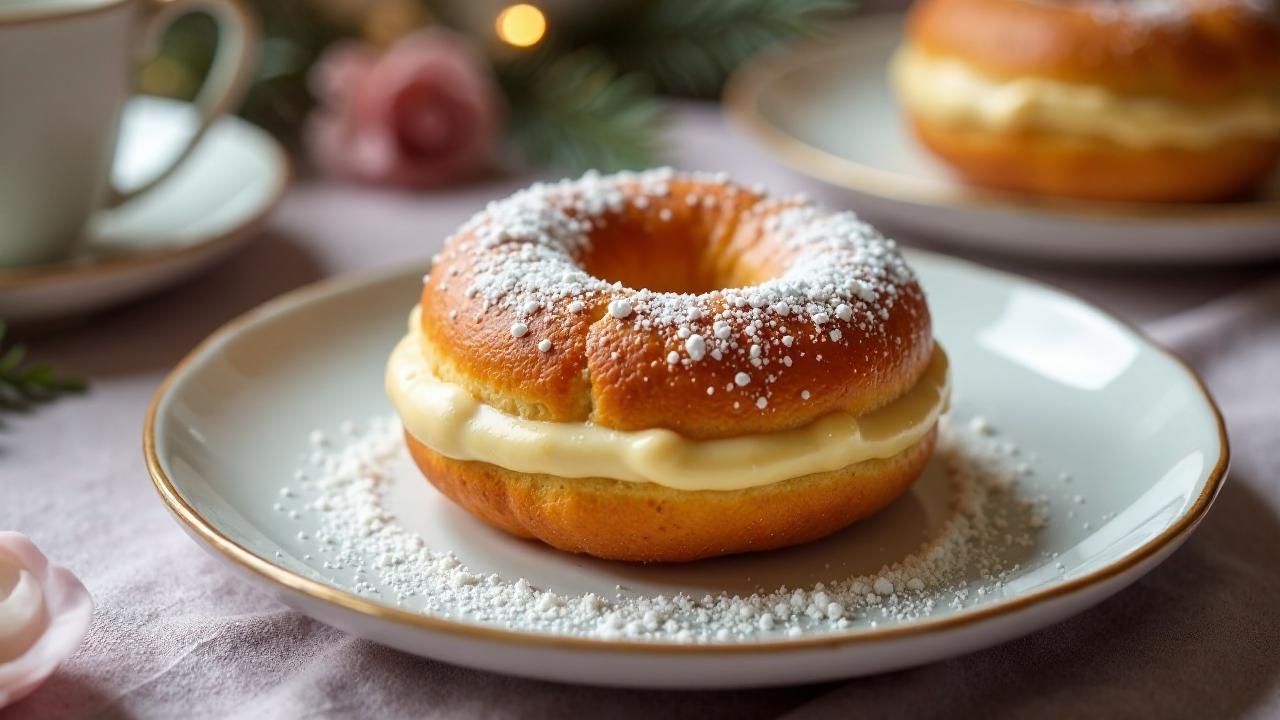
(197, 216)
(828, 112)
(1080, 392)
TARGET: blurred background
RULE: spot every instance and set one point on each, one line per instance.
(575, 80)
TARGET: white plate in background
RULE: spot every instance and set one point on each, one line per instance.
(827, 111)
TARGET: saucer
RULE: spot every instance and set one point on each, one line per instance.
(827, 111)
(1117, 448)
(193, 219)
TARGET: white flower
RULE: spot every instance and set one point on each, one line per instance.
(44, 614)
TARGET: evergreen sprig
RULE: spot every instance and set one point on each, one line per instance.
(22, 384)
(575, 111)
(690, 46)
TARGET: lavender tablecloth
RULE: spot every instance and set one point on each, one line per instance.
(175, 635)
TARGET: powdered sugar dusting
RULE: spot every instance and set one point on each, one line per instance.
(841, 281)
(359, 537)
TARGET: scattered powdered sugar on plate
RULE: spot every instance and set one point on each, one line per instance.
(344, 490)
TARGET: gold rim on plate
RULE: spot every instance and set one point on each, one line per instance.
(246, 559)
(741, 102)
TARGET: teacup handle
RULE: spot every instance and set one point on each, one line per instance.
(228, 77)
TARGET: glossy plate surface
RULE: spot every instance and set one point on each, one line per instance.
(197, 216)
(827, 111)
(1079, 392)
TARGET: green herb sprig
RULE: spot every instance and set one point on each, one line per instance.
(22, 383)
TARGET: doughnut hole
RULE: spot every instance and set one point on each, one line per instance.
(681, 243)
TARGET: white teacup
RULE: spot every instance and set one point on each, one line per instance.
(66, 69)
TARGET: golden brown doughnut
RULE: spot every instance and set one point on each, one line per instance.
(759, 316)
(1159, 100)
(619, 520)
(1026, 162)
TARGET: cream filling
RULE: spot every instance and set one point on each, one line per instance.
(449, 420)
(950, 92)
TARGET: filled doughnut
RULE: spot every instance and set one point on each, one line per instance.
(1131, 100)
(662, 366)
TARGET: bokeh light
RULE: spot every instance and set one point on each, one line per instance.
(521, 25)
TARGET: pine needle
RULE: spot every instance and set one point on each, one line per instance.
(23, 384)
(575, 112)
(690, 46)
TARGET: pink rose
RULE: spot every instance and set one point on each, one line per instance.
(425, 113)
(44, 614)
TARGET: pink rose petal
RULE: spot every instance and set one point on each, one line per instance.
(336, 74)
(425, 113)
(68, 609)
